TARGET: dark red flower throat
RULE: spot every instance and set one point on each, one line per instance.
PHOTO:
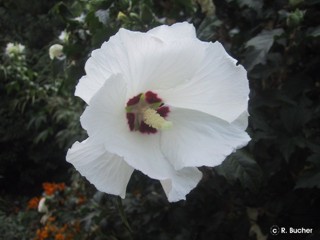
(136, 108)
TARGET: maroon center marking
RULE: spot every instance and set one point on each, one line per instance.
(137, 105)
(163, 111)
(151, 97)
(130, 119)
(134, 100)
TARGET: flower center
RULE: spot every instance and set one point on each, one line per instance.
(146, 113)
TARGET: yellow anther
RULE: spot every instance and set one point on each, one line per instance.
(153, 119)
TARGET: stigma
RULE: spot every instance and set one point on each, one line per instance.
(153, 119)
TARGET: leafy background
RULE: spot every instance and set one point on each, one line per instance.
(275, 180)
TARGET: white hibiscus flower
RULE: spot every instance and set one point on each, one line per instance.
(162, 102)
(14, 49)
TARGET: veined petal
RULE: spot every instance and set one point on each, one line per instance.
(181, 183)
(198, 139)
(142, 152)
(146, 62)
(106, 123)
(108, 172)
(86, 88)
(154, 64)
(219, 87)
(242, 121)
(102, 64)
(106, 109)
(174, 32)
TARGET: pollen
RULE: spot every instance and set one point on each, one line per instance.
(146, 113)
(153, 119)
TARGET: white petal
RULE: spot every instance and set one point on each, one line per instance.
(198, 139)
(98, 71)
(219, 87)
(86, 88)
(153, 64)
(108, 172)
(170, 65)
(146, 62)
(106, 109)
(105, 121)
(141, 151)
(242, 121)
(184, 180)
(174, 32)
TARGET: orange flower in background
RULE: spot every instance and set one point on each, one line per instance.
(51, 188)
(54, 228)
(51, 219)
(81, 200)
(59, 236)
(42, 234)
(33, 203)
(52, 231)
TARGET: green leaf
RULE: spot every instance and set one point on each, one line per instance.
(62, 9)
(188, 4)
(146, 13)
(102, 15)
(93, 22)
(315, 160)
(240, 166)
(287, 146)
(315, 32)
(208, 28)
(254, 4)
(309, 181)
(294, 118)
(312, 2)
(311, 178)
(259, 46)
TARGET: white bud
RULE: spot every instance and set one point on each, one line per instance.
(56, 51)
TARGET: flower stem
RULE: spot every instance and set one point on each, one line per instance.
(123, 215)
